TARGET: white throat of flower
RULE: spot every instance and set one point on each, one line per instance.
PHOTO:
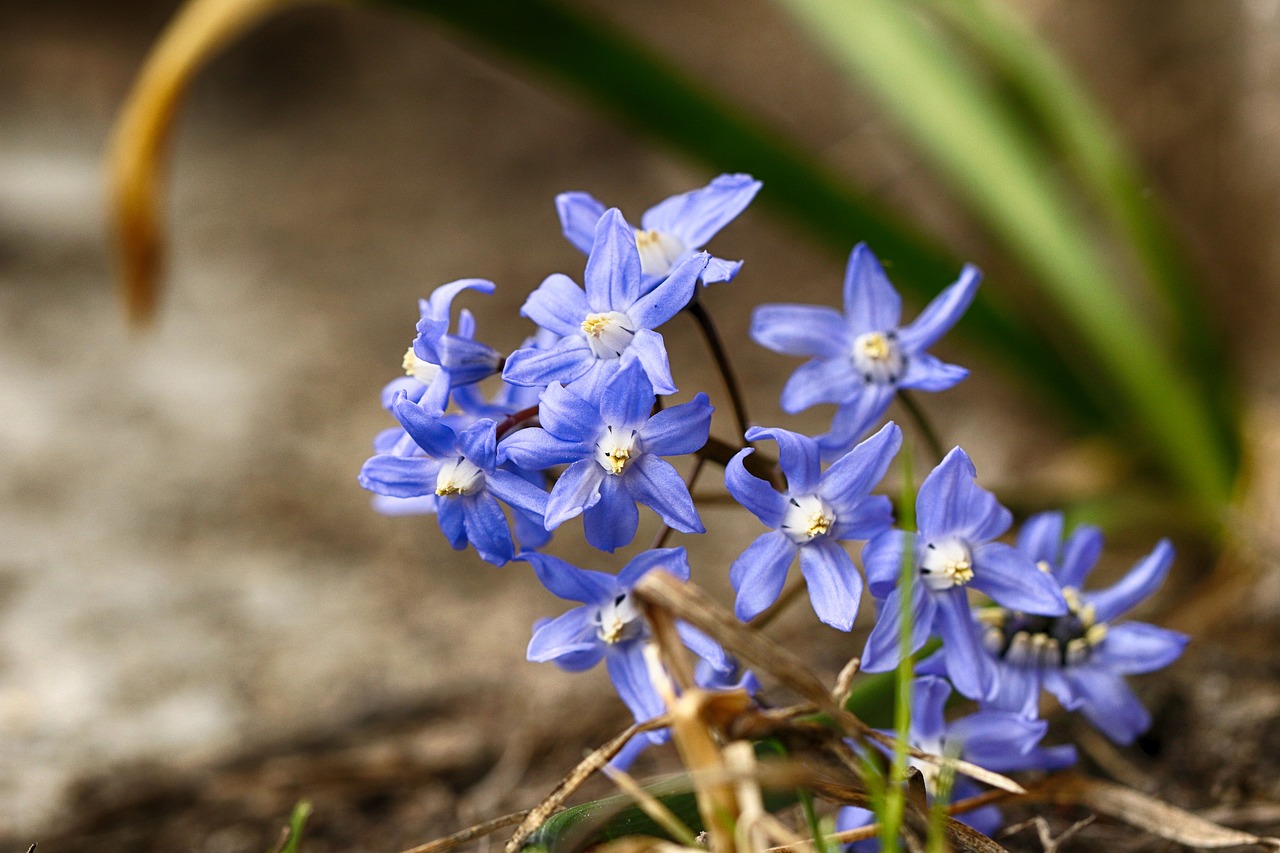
(458, 477)
(423, 371)
(878, 358)
(616, 449)
(608, 333)
(807, 518)
(618, 619)
(946, 563)
(659, 251)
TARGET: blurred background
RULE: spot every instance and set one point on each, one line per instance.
(201, 619)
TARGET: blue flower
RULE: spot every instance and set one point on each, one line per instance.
(997, 740)
(438, 360)
(861, 358)
(609, 625)
(817, 513)
(608, 326)
(1080, 657)
(672, 230)
(613, 449)
(952, 551)
(460, 469)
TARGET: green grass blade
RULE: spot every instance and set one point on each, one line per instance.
(1078, 129)
(961, 127)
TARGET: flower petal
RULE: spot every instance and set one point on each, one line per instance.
(478, 443)
(452, 519)
(427, 430)
(696, 216)
(487, 529)
(1106, 701)
(612, 277)
(579, 215)
(760, 572)
(629, 399)
(577, 489)
(400, 476)
(611, 522)
(942, 313)
(929, 695)
(1041, 537)
(798, 457)
(854, 418)
(673, 561)
(535, 449)
(1017, 690)
(835, 587)
(567, 415)
(881, 651)
(670, 296)
(969, 667)
(1079, 555)
(630, 676)
(680, 429)
(812, 330)
(569, 640)
(1011, 580)
(1134, 648)
(648, 348)
(565, 362)
(1139, 584)
(870, 302)
(558, 304)
(517, 492)
(569, 582)
(718, 270)
(657, 485)
(926, 373)
(882, 560)
(951, 503)
(752, 492)
(821, 381)
(852, 477)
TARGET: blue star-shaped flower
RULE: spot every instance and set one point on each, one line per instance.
(610, 627)
(861, 358)
(439, 360)
(1080, 657)
(670, 231)
(818, 512)
(460, 469)
(952, 551)
(610, 324)
(614, 451)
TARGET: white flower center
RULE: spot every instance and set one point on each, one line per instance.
(659, 251)
(617, 620)
(423, 371)
(946, 563)
(878, 358)
(608, 333)
(458, 477)
(616, 448)
(807, 518)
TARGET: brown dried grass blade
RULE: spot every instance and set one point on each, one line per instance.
(1147, 813)
(442, 845)
(570, 783)
(136, 151)
(686, 601)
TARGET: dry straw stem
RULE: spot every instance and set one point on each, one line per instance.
(688, 602)
(136, 150)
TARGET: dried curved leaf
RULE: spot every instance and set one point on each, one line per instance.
(1155, 816)
(136, 151)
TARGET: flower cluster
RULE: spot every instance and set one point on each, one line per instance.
(586, 414)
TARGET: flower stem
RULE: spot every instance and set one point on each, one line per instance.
(923, 424)
(712, 336)
(512, 421)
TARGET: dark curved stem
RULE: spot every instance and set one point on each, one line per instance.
(922, 424)
(712, 336)
(516, 419)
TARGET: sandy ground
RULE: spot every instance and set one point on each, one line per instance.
(188, 570)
